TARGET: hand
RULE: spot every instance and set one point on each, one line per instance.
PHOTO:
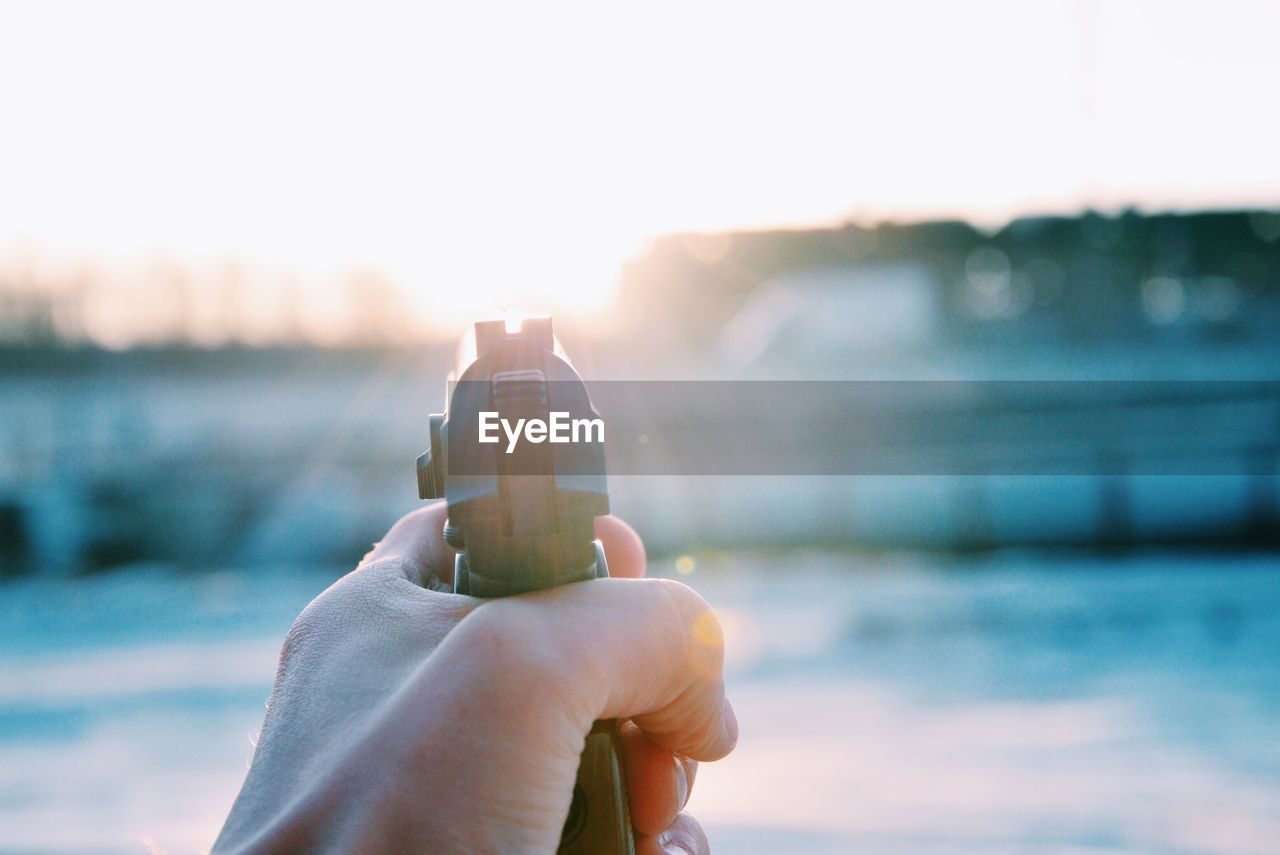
(408, 719)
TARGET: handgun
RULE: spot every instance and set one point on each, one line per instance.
(521, 516)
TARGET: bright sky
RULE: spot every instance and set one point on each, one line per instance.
(486, 154)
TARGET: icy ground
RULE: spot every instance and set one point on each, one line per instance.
(888, 704)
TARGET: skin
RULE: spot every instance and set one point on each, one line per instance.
(408, 719)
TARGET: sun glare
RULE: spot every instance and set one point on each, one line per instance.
(557, 266)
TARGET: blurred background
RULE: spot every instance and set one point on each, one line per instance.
(238, 244)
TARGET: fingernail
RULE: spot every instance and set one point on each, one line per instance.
(671, 846)
(682, 783)
(729, 722)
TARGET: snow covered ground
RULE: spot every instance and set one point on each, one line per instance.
(896, 703)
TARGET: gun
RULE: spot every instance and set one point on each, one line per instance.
(522, 517)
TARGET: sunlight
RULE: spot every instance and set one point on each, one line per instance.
(560, 267)
(460, 161)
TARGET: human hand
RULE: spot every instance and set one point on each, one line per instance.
(405, 718)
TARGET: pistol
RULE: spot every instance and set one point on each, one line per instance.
(522, 509)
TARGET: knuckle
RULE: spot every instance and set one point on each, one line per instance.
(525, 666)
(515, 638)
(688, 602)
(329, 616)
(307, 630)
(701, 626)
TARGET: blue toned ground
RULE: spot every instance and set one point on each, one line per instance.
(888, 704)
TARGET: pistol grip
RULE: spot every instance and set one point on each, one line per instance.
(599, 820)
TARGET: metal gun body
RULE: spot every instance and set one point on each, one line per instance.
(522, 517)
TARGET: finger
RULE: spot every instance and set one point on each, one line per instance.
(684, 837)
(658, 780)
(415, 546)
(623, 548)
(646, 649)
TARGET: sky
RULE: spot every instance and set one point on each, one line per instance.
(480, 155)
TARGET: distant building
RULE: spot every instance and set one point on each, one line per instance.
(828, 320)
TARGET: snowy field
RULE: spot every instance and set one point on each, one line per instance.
(888, 704)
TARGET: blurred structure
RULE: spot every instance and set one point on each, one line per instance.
(1093, 296)
(197, 458)
(300, 454)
